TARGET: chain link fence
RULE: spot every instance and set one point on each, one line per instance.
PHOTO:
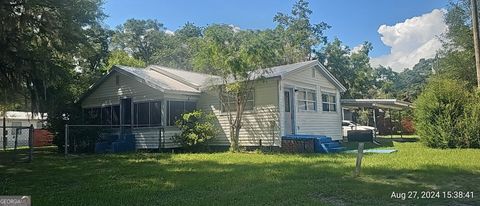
(85, 139)
(17, 144)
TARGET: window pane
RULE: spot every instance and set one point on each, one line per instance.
(175, 110)
(333, 107)
(249, 105)
(250, 95)
(107, 115)
(302, 105)
(135, 114)
(302, 95)
(324, 98)
(155, 113)
(311, 96)
(311, 106)
(325, 106)
(190, 106)
(287, 101)
(116, 115)
(143, 114)
(332, 99)
(93, 115)
(127, 110)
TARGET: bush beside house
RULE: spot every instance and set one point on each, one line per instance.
(447, 115)
(197, 128)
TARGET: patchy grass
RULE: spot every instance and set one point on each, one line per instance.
(244, 178)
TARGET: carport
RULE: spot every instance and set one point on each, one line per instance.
(391, 105)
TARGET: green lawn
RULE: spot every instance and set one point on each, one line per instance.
(245, 178)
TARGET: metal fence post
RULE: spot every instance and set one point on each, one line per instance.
(30, 143)
(66, 140)
(15, 145)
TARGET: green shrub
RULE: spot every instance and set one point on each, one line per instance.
(197, 128)
(447, 115)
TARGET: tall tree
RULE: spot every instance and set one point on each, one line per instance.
(301, 38)
(140, 38)
(233, 55)
(177, 50)
(120, 57)
(456, 59)
(41, 43)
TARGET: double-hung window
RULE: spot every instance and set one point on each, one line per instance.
(307, 100)
(329, 102)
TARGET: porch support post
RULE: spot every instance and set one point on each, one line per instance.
(391, 124)
(374, 121)
(401, 125)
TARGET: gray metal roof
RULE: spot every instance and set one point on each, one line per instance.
(283, 70)
(376, 103)
(157, 79)
(194, 79)
(176, 80)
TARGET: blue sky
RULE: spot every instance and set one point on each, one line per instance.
(352, 21)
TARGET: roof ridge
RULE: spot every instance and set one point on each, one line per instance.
(183, 70)
(175, 77)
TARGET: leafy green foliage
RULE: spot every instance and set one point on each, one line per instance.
(233, 55)
(197, 128)
(446, 115)
(352, 69)
(456, 60)
(298, 35)
(120, 57)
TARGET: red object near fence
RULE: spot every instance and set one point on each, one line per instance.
(42, 137)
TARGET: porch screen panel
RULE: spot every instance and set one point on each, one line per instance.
(116, 114)
(155, 113)
(107, 115)
(143, 114)
(176, 109)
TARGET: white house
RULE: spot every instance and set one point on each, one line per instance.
(17, 119)
(300, 98)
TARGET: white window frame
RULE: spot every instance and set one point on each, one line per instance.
(330, 103)
(306, 101)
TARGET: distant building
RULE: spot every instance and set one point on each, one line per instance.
(19, 119)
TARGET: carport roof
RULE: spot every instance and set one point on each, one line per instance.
(376, 103)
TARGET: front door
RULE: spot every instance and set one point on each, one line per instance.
(289, 112)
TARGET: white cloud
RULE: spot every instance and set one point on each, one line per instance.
(169, 32)
(356, 49)
(411, 40)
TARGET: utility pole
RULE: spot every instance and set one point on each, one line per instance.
(476, 39)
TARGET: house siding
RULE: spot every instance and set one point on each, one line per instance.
(109, 93)
(313, 122)
(262, 123)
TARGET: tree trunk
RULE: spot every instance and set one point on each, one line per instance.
(233, 139)
(476, 39)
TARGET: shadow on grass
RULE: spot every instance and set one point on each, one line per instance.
(226, 179)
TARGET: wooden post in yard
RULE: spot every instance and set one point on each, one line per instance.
(476, 38)
(358, 164)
